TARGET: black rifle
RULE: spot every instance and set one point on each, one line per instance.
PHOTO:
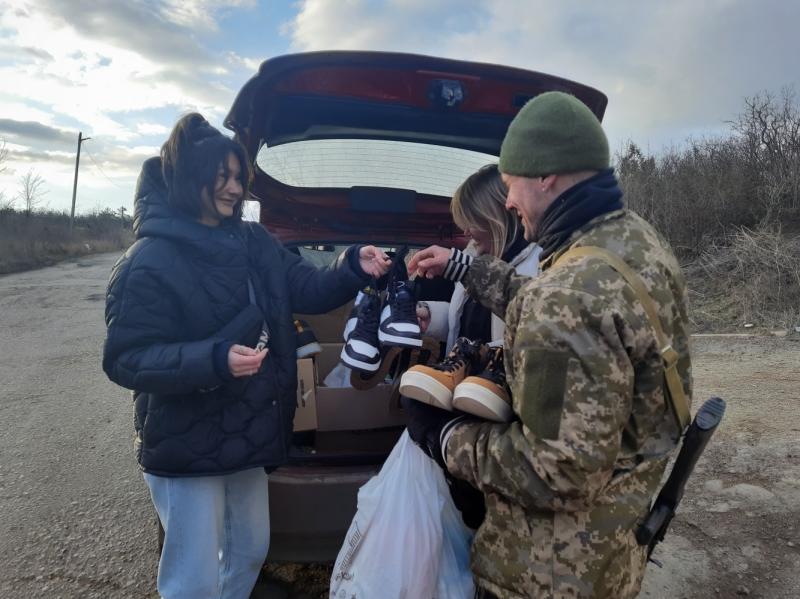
(654, 527)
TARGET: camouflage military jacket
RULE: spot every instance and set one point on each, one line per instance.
(570, 478)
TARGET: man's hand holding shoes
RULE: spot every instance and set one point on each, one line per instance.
(429, 427)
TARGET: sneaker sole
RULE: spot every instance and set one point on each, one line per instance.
(379, 374)
(426, 389)
(393, 341)
(479, 401)
(312, 349)
(356, 364)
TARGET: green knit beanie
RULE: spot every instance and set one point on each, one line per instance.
(554, 133)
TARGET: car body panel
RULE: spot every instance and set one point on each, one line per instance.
(310, 510)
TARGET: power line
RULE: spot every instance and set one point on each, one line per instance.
(101, 170)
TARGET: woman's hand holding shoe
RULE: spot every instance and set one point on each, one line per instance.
(373, 261)
(244, 361)
(429, 262)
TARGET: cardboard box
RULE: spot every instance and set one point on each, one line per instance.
(328, 359)
(345, 409)
(350, 409)
(305, 418)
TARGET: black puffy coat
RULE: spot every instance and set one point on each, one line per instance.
(168, 298)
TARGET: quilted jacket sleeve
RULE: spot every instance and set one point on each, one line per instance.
(319, 290)
(141, 320)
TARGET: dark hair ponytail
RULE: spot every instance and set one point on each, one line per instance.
(190, 161)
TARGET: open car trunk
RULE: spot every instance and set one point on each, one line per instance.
(370, 146)
(367, 148)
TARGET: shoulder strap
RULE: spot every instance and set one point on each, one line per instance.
(674, 389)
(251, 292)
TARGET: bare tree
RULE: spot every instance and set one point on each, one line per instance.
(97, 208)
(3, 154)
(769, 126)
(33, 191)
(5, 203)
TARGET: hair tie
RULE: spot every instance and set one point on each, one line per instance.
(204, 131)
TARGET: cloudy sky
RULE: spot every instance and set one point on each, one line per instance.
(122, 71)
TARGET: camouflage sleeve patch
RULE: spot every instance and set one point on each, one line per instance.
(544, 381)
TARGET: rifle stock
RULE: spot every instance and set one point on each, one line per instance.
(654, 527)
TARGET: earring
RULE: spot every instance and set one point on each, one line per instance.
(544, 190)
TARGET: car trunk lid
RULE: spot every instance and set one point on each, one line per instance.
(371, 145)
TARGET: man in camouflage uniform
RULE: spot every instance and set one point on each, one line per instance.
(568, 481)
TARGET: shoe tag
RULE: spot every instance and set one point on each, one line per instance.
(263, 338)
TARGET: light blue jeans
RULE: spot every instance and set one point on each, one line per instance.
(217, 534)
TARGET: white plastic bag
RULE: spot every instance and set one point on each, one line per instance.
(338, 378)
(407, 539)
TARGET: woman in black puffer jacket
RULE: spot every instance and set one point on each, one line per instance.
(186, 307)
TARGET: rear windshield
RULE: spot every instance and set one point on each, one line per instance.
(346, 163)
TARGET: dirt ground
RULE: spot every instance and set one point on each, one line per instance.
(737, 532)
(76, 519)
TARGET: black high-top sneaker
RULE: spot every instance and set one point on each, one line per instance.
(362, 352)
(485, 394)
(399, 325)
(353, 319)
(307, 345)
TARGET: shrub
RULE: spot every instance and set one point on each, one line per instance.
(29, 240)
(705, 190)
(753, 278)
(729, 205)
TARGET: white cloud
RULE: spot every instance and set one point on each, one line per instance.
(95, 66)
(113, 185)
(200, 15)
(22, 112)
(86, 91)
(669, 69)
(122, 72)
(399, 25)
(78, 79)
(250, 64)
(151, 129)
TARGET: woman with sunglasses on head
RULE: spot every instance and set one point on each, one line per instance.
(478, 207)
(200, 325)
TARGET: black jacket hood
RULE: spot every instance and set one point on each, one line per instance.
(153, 217)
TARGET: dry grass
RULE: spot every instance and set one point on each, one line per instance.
(42, 238)
(727, 205)
(754, 278)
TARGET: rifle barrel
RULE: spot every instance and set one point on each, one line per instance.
(655, 524)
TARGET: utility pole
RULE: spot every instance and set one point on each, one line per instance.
(81, 139)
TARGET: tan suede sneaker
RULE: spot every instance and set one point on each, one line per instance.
(486, 395)
(435, 384)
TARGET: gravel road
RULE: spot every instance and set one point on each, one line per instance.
(75, 514)
(76, 519)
